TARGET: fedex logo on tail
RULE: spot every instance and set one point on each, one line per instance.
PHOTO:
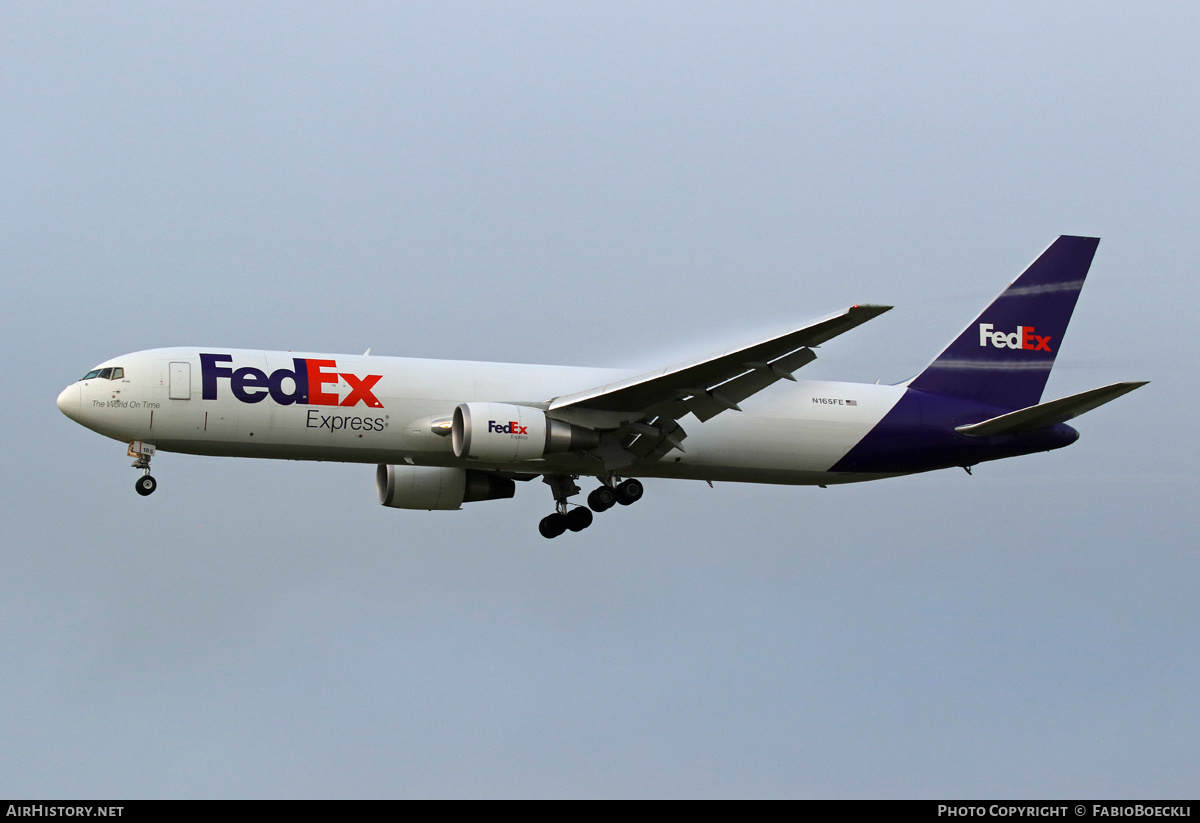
(307, 379)
(1022, 338)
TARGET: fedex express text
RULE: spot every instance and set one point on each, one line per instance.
(307, 378)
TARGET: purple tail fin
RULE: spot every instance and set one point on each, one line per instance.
(1005, 356)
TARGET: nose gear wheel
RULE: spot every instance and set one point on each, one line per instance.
(142, 452)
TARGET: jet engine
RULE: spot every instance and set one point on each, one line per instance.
(432, 487)
(507, 433)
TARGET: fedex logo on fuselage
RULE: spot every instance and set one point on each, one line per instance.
(1022, 338)
(307, 379)
(510, 427)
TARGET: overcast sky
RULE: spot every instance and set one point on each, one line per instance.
(616, 184)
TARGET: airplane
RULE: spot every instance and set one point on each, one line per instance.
(444, 433)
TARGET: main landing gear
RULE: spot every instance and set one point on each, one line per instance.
(142, 452)
(576, 520)
(579, 518)
(605, 497)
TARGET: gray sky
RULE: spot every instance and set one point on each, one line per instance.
(614, 185)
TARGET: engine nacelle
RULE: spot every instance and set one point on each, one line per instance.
(432, 487)
(506, 433)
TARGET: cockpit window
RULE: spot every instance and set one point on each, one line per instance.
(111, 373)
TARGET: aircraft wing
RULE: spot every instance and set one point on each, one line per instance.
(708, 386)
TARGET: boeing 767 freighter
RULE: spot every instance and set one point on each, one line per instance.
(444, 433)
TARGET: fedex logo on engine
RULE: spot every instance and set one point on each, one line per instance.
(306, 378)
(511, 427)
(1022, 338)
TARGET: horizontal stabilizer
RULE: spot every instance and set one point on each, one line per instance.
(1044, 415)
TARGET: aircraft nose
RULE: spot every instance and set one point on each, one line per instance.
(68, 401)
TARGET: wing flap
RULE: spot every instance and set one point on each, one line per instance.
(1048, 414)
(727, 395)
(653, 441)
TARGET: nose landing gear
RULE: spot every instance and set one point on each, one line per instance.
(142, 452)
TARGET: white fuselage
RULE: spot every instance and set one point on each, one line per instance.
(369, 409)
